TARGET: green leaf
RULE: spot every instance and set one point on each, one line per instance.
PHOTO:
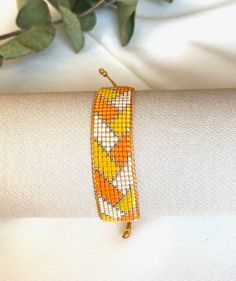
(34, 12)
(36, 39)
(129, 2)
(1, 59)
(169, 1)
(70, 4)
(126, 19)
(13, 49)
(77, 7)
(73, 28)
(89, 21)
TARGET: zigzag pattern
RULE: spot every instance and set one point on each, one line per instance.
(112, 155)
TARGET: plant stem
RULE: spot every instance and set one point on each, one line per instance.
(85, 13)
(11, 34)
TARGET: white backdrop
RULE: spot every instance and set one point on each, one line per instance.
(189, 44)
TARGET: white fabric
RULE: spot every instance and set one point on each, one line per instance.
(184, 142)
(188, 44)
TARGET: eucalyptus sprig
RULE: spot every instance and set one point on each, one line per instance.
(37, 29)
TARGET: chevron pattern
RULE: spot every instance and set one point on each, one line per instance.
(112, 155)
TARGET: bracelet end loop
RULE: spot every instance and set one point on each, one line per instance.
(104, 73)
(128, 230)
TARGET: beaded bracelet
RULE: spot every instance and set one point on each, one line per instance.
(112, 155)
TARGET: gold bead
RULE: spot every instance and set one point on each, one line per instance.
(103, 72)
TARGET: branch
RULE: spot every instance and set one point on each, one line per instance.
(85, 13)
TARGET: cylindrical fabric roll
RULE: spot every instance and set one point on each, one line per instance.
(185, 150)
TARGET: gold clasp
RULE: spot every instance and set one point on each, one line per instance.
(104, 73)
(128, 230)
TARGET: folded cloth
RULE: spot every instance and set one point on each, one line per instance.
(184, 145)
